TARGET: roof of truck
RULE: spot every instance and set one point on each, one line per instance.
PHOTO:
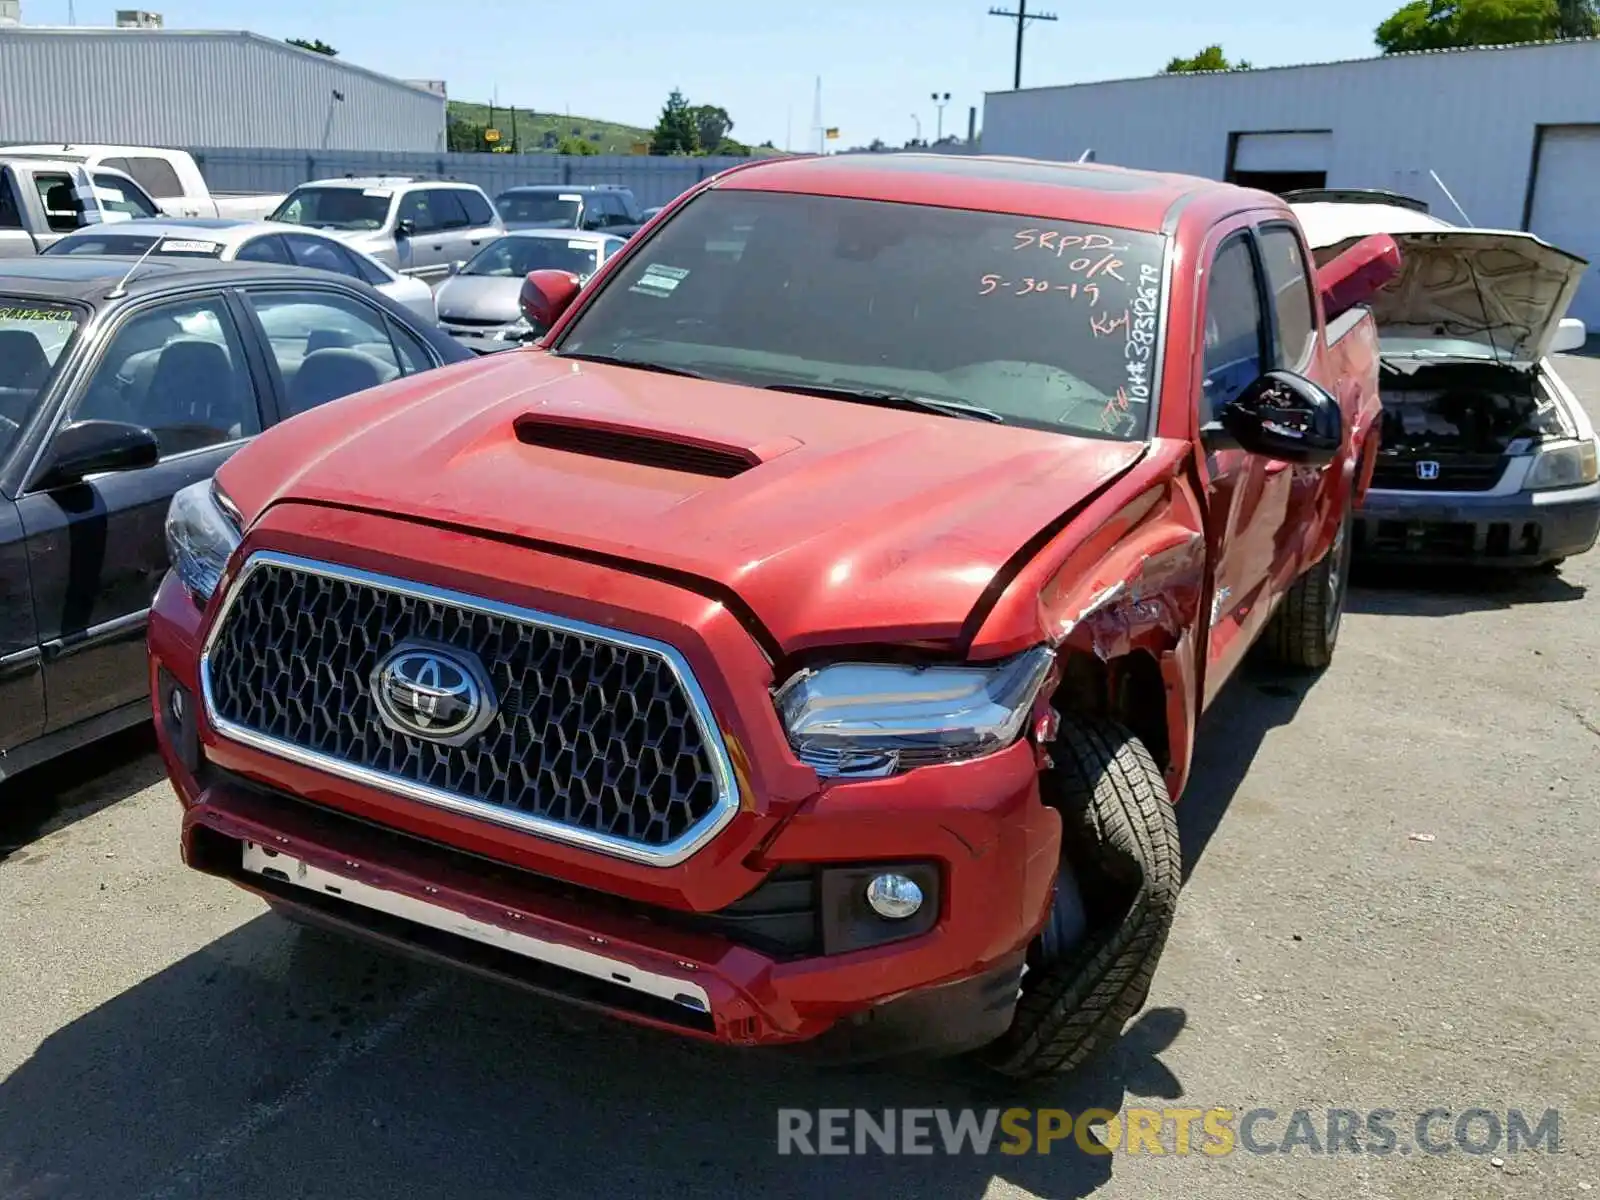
(1092, 192)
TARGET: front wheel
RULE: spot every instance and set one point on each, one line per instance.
(1305, 629)
(1120, 838)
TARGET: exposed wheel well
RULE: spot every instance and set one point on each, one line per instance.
(1128, 690)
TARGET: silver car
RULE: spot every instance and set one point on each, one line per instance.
(478, 304)
(417, 227)
(247, 241)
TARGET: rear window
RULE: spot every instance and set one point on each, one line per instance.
(336, 207)
(35, 336)
(154, 175)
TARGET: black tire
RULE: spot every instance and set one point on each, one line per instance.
(1551, 567)
(1122, 838)
(1305, 629)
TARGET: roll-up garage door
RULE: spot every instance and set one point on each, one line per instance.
(1279, 162)
(1566, 197)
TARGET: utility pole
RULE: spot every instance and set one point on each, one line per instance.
(938, 104)
(1022, 16)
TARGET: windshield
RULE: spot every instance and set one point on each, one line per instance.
(34, 337)
(132, 245)
(336, 207)
(538, 208)
(518, 255)
(1047, 323)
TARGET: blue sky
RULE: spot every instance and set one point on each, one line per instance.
(878, 62)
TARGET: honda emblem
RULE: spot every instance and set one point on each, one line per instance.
(1427, 470)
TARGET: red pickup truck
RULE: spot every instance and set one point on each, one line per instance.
(804, 642)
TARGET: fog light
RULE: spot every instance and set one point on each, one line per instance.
(894, 897)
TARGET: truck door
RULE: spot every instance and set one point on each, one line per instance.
(21, 682)
(15, 240)
(97, 549)
(1246, 495)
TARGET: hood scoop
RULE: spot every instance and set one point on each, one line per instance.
(687, 453)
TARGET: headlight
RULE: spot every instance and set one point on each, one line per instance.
(515, 331)
(1561, 466)
(875, 719)
(202, 530)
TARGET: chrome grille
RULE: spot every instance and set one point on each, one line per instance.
(600, 738)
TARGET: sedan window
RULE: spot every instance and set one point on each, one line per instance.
(264, 249)
(34, 336)
(325, 346)
(321, 254)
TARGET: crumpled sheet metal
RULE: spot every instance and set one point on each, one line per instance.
(1160, 597)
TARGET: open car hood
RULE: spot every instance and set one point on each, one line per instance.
(1503, 289)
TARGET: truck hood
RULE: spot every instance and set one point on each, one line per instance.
(832, 521)
(1502, 289)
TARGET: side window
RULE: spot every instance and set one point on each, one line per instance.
(414, 356)
(62, 209)
(180, 371)
(594, 213)
(156, 176)
(1234, 331)
(370, 271)
(264, 249)
(447, 209)
(127, 200)
(325, 346)
(1291, 296)
(10, 213)
(479, 211)
(417, 208)
(320, 255)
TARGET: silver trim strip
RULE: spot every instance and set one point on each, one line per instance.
(666, 855)
(259, 860)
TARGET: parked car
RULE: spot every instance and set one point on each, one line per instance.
(609, 208)
(1487, 457)
(250, 241)
(804, 644)
(42, 200)
(172, 177)
(648, 213)
(117, 390)
(480, 303)
(413, 226)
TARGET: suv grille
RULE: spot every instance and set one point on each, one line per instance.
(598, 738)
(1451, 473)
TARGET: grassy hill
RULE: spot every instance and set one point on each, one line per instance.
(539, 131)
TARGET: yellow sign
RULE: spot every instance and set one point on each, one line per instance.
(491, 135)
(833, 134)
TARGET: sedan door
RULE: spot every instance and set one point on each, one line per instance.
(97, 547)
(21, 679)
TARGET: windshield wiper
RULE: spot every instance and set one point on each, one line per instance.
(946, 408)
(617, 360)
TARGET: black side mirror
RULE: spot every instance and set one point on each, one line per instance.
(404, 228)
(89, 447)
(1281, 415)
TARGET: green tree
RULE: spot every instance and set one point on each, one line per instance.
(1443, 24)
(576, 145)
(467, 135)
(675, 132)
(712, 125)
(1209, 59)
(316, 46)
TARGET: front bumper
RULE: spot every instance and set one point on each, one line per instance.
(980, 825)
(1525, 529)
(487, 339)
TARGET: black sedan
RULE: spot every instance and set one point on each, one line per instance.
(116, 391)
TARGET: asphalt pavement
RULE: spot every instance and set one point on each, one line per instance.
(1391, 906)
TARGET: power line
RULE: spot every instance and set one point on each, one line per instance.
(1022, 16)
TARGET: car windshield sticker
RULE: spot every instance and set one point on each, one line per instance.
(574, 198)
(184, 246)
(377, 193)
(659, 280)
(580, 245)
(54, 315)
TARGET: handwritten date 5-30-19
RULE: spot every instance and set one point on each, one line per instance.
(1029, 286)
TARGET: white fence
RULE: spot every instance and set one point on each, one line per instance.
(654, 180)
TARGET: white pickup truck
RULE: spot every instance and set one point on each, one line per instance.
(172, 178)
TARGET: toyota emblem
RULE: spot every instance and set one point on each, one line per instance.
(436, 693)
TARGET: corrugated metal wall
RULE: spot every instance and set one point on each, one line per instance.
(653, 180)
(1469, 115)
(180, 88)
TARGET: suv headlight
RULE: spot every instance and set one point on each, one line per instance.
(203, 529)
(868, 720)
(1572, 464)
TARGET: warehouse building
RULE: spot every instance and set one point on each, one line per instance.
(183, 88)
(1513, 133)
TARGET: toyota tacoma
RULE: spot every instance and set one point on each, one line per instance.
(803, 642)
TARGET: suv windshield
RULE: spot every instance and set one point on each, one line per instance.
(519, 255)
(545, 209)
(1047, 323)
(34, 336)
(336, 207)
